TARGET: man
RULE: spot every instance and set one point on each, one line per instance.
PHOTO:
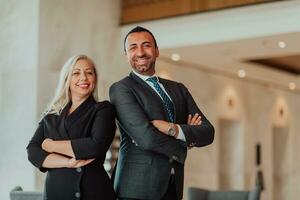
(158, 121)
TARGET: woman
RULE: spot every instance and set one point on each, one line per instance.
(72, 138)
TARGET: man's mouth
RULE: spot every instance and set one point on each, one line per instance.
(142, 61)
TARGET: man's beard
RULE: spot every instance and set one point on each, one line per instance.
(144, 68)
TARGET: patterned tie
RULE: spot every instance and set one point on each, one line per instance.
(168, 105)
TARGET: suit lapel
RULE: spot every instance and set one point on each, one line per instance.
(142, 82)
(167, 87)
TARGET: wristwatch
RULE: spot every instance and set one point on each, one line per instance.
(172, 130)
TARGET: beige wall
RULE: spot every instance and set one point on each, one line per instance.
(256, 109)
(18, 69)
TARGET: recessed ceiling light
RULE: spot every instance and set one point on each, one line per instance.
(292, 85)
(175, 57)
(242, 73)
(282, 44)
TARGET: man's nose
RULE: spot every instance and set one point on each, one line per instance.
(140, 52)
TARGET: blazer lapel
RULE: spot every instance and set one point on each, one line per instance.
(62, 131)
(79, 112)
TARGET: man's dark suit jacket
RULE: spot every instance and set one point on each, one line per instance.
(147, 156)
(91, 129)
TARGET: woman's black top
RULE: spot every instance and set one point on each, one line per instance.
(91, 129)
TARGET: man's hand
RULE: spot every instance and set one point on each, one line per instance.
(73, 163)
(47, 144)
(161, 125)
(194, 120)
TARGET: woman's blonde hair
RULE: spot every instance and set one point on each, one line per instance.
(62, 94)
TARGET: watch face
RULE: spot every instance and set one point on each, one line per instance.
(171, 131)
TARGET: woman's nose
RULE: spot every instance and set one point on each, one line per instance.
(82, 76)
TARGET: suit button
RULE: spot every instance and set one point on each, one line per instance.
(78, 169)
(77, 194)
(175, 158)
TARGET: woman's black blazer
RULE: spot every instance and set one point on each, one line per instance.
(91, 129)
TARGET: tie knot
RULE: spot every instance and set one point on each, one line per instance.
(153, 79)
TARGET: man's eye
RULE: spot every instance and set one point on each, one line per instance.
(132, 48)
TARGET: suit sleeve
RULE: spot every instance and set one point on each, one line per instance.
(196, 135)
(136, 124)
(102, 134)
(36, 155)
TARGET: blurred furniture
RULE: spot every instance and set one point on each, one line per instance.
(203, 194)
(18, 194)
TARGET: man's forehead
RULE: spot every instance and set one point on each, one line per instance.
(139, 37)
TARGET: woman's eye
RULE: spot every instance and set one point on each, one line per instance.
(89, 72)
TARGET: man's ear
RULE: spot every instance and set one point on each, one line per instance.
(156, 52)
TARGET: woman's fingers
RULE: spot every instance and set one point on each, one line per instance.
(73, 163)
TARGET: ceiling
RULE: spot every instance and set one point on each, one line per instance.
(290, 63)
(274, 59)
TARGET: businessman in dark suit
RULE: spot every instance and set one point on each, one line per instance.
(158, 121)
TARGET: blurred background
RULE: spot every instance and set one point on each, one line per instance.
(240, 60)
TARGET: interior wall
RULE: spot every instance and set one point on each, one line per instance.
(256, 107)
(282, 164)
(231, 155)
(18, 83)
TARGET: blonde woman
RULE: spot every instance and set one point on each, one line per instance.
(73, 137)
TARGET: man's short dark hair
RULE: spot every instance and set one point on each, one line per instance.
(138, 29)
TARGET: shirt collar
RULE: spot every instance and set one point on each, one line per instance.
(144, 77)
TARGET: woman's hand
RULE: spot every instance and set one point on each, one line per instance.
(73, 163)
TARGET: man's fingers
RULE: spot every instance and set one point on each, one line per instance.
(195, 117)
(194, 120)
(189, 119)
(198, 121)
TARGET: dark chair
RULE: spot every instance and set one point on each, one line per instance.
(203, 194)
(18, 194)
